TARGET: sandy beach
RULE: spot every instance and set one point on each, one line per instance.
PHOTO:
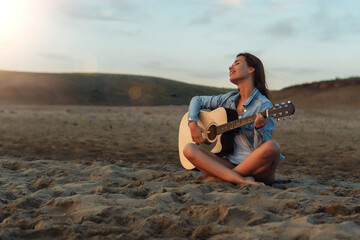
(78, 172)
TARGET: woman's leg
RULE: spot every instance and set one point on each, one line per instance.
(213, 165)
(216, 158)
(261, 163)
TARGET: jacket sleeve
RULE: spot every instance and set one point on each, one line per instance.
(263, 134)
(203, 102)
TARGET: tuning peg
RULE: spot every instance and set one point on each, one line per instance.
(289, 117)
(278, 119)
(289, 101)
(283, 118)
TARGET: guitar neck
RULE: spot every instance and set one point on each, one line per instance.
(237, 123)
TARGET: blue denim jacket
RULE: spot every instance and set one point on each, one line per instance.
(254, 104)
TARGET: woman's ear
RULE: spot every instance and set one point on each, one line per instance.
(251, 69)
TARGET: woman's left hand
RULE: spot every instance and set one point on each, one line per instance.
(260, 121)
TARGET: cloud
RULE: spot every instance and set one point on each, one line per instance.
(106, 10)
(325, 27)
(281, 29)
(203, 20)
(324, 21)
(231, 3)
(332, 20)
(214, 10)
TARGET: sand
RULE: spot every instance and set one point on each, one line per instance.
(75, 172)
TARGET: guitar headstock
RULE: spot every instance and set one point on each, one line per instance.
(281, 110)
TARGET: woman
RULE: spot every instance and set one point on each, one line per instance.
(255, 155)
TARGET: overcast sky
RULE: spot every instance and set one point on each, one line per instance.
(193, 41)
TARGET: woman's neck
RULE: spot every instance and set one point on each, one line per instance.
(246, 88)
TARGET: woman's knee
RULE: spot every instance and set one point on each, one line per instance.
(189, 150)
(272, 148)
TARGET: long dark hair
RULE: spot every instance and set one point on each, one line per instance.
(259, 74)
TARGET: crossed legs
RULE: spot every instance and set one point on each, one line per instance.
(259, 165)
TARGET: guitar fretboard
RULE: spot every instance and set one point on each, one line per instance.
(236, 124)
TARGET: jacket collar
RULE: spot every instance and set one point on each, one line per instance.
(253, 95)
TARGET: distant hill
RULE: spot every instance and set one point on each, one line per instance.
(96, 89)
(133, 90)
(338, 93)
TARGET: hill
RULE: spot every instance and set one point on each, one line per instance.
(96, 89)
(338, 93)
(133, 90)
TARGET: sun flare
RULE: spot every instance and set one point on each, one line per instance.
(13, 18)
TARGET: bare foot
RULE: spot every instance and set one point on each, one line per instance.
(251, 180)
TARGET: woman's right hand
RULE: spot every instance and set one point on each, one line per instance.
(196, 132)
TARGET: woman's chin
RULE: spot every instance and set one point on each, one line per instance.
(234, 81)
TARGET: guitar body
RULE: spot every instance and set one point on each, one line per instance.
(222, 143)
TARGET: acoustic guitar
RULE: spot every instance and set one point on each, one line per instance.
(222, 124)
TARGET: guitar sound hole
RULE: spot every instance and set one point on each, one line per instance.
(212, 134)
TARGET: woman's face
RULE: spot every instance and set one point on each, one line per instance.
(240, 70)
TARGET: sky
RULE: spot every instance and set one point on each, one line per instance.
(192, 41)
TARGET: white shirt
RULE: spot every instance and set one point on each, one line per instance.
(241, 149)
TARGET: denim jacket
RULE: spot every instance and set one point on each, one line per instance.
(254, 104)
